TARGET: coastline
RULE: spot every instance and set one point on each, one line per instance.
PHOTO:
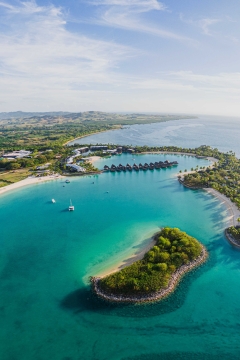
(153, 297)
(179, 153)
(83, 136)
(133, 258)
(231, 207)
(29, 181)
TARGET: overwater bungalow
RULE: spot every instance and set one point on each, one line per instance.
(106, 168)
(157, 165)
(167, 163)
(135, 167)
(146, 165)
(140, 166)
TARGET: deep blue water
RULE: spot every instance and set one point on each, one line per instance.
(47, 255)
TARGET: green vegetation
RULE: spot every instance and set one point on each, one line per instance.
(39, 132)
(224, 176)
(10, 177)
(234, 231)
(173, 248)
(31, 131)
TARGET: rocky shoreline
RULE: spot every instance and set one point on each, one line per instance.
(173, 282)
(231, 239)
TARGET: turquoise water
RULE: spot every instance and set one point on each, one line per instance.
(47, 254)
(220, 132)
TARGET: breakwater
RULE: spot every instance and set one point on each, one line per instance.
(156, 296)
(144, 167)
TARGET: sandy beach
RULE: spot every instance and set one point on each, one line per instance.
(161, 294)
(29, 181)
(135, 257)
(234, 212)
(92, 159)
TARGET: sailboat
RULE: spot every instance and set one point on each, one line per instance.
(71, 207)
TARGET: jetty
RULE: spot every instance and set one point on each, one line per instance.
(135, 167)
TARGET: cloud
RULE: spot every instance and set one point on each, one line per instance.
(205, 24)
(227, 83)
(39, 57)
(139, 5)
(128, 15)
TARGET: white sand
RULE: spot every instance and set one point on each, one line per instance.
(135, 257)
(92, 159)
(234, 212)
(29, 181)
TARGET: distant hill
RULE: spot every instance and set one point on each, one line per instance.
(24, 115)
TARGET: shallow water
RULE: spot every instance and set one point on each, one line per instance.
(47, 254)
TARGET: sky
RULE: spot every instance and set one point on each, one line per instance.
(175, 56)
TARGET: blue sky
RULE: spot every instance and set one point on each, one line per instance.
(120, 55)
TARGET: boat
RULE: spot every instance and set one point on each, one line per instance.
(53, 201)
(67, 181)
(71, 207)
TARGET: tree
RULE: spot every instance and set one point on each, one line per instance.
(13, 166)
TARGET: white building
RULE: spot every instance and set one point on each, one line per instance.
(16, 154)
(76, 167)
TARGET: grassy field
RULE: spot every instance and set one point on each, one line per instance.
(10, 177)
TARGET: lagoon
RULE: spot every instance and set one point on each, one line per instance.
(48, 254)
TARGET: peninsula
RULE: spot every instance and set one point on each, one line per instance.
(156, 275)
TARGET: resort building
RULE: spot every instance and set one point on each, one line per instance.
(98, 147)
(16, 154)
(76, 168)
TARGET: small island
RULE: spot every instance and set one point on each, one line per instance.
(157, 274)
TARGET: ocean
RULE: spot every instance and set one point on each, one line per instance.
(219, 132)
(48, 254)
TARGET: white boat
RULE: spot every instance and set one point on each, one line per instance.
(71, 207)
(53, 201)
(67, 181)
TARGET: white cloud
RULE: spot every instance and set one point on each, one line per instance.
(205, 25)
(6, 5)
(139, 5)
(226, 83)
(39, 57)
(128, 21)
(128, 15)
